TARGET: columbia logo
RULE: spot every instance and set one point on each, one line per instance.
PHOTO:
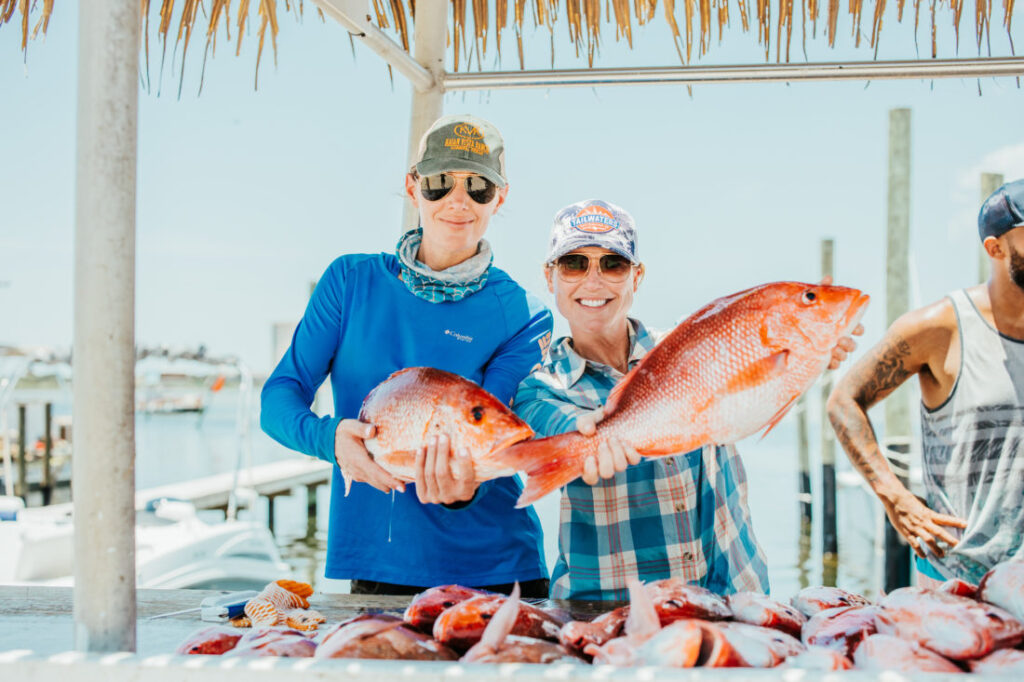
(458, 336)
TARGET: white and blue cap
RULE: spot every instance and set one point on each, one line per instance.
(593, 223)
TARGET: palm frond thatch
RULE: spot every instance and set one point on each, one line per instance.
(584, 19)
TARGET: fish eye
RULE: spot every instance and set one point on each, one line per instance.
(809, 297)
(478, 413)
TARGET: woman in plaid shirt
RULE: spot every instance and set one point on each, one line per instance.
(684, 515)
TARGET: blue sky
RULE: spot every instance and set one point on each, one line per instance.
(245, 197)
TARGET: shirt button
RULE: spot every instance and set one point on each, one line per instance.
(680, 507)
(687, 556)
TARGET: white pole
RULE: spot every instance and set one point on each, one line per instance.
(429, 40)
(103, 468)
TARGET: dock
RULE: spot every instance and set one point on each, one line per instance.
(269, 480)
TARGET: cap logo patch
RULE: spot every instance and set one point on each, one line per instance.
(467, 139)
(594, 219)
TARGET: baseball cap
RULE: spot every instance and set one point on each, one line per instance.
(1002, 211)
(593, 223)
(462, 142)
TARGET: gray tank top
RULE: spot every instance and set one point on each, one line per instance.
(973, 465)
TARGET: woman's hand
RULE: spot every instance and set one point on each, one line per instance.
(443, 477)
(613, 455)
(845, 346)
(355, 462)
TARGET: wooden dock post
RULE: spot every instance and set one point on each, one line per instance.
(829, 534)
(897, 405)
(21, 490)
(310, 511)
(990, 182)
(46, 484)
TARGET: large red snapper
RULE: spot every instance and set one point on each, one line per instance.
(1003, 586)
(416, 404)
(732, 368)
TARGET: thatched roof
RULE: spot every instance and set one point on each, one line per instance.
(690, 21)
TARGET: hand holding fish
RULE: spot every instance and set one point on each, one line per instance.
(355, 462)
(444, 477)
(844, 347)
(613, 455)
(918, 524)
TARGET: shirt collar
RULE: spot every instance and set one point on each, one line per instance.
(568, 366)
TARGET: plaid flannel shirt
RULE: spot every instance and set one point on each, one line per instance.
(682, 516)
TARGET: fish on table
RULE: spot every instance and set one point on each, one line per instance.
(271, 641)
(381, 636)
(499, 645)
(426, 606)
(840, 629)
(732, 368)
(462, 625)
(886, 652)
(1003, 586)
(760, 609)
(817, 598)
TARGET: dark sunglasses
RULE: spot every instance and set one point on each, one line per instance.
(572, 267)
(435, 187)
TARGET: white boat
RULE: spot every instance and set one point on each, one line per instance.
(174, 548)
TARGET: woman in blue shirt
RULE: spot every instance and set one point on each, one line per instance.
(438, 302)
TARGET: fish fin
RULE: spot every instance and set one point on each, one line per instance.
(642, 620)
(761, 370)
(502, 622)
(780, 414)
(549, 477)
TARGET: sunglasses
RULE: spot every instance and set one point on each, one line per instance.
(435, 187)
(572, 267)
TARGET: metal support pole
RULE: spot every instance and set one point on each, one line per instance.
(103, 468)
(897, 405)
(22, 488)
(46, 488)
(270, 512)
(990, 182)
(829, 534)
(429, 40)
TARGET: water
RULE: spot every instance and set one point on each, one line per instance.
(178, 447)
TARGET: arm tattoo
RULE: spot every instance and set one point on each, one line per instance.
(849, 415)
(889, 372)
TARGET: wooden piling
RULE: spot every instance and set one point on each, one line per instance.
(990, 182)
(46, 485)
(897, 405)
(829, 534)
(22, 488)
(310, 511)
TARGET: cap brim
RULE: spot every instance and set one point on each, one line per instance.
(435, 166)
(574, 244)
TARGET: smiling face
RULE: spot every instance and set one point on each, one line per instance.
(594, 306)
(454, 224)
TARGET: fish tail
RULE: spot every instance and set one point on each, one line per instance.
(549, 463)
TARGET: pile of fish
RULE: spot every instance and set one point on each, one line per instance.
(958, 628)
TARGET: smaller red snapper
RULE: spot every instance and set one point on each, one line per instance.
(426, 606)
(1002, 662)
(641, 624)
(577, 635)
(382, 637)
(818, 658)
(885, 652)
(498, 645)
(812, 600)
(461, 626)
(269, 641)
(841, 629)
(1003, 586)
(956, 627)
(416, 404)
(213, 641)
(673, 599)
(759, 609)
(760, 647)
(688, 643)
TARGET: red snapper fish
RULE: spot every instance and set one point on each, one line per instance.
(426, 606)
(885, 652)
(499, 645)
(956, 627)
(381, 636)
(811, 601)
(759, 609)
(213, 640)
(416, 404)
(1003, 586)
(732, 368)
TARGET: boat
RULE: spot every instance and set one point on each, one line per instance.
(174, 548)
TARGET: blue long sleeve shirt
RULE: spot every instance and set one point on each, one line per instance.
(361, 325)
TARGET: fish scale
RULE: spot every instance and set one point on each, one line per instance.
(735, 366)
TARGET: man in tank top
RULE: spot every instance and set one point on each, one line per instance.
(967, 351)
